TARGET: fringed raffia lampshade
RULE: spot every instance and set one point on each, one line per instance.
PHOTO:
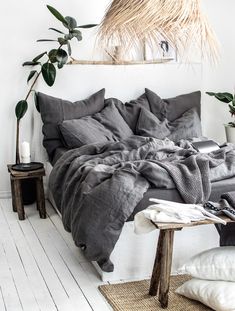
(130, 23)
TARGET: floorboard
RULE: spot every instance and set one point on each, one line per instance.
(41, 268)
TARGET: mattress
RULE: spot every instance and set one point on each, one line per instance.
(217, 188)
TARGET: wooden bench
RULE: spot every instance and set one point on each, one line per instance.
(160, 280)
(16, 191)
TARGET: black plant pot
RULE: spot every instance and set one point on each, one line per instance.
(28, 188)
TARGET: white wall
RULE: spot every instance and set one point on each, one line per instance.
(222, 77)
(23, 22)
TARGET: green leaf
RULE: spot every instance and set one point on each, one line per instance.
(232, 110)
(69, 49)
(30, 63)
(52, 55)
(49, 73)
(61, 57)
(31, 74)
(45, 40)
(20, 109)
(68, 36)
(77, 34)
(87, 26)
(56, 30)
(223, 97)
(71, 22)
(62, 41)
(57, 14)
(38, 57)
(60, 65)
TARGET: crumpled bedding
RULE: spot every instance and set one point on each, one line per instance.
(96, 187)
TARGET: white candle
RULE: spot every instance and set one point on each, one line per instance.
(25, 152)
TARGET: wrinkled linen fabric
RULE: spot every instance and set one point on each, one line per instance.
(96, 187)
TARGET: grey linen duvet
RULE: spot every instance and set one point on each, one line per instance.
(96, 187)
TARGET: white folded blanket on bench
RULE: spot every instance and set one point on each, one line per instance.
(171, 212)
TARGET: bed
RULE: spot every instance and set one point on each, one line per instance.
(143, 124)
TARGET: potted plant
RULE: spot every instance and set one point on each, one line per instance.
(229, 99)
(46, 63)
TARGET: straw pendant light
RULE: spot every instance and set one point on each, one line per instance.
(129, 23)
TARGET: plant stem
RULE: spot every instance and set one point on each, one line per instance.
(34, 82)
(18, 121)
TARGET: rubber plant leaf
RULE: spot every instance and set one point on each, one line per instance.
(45, 40)
(232, 110)
(61, 57)
(223, 97)
(57, 30)
(31, 74)
(49, 73)
(20, 109)
(57, 14)
(62, 41)
(87, 26)
(77, 34)
(71, 22)
(30, 63)
(52, 55)
(39, 57)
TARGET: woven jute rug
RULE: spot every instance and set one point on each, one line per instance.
(133, 296)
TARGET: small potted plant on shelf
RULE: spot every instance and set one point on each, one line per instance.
(229, 99)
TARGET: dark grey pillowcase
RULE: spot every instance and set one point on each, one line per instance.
(150, 126)
(113, 121)
(173, 108)
(188, 125)
(185, 127)
(84, 131)
(55, 110)
(130, 111)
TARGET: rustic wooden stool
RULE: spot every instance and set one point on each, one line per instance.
(160, 280)
(17, 202)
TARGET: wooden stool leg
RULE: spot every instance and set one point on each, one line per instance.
(154, 284)
(40, 198)
(13, 196)
(167, 251)
(18, 201)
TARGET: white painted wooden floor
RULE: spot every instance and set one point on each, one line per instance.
(41, 268)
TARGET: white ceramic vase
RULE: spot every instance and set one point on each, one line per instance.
(230, 133)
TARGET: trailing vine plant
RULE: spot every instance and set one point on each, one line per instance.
(47, 63)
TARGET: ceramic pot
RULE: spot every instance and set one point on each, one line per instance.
(230, 133)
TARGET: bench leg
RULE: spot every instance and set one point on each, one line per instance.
(155, 279)
(40, 198)
(162, 267)
(18, 201)
(166, 262)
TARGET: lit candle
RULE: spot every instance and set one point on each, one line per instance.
(25, 152)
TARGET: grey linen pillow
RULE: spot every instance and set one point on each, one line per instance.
(173, 108)
(113, 121)
(150, 126)
(188, 125)
(130, 111)
(84, 131)
(55, 110)
(185, 127)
